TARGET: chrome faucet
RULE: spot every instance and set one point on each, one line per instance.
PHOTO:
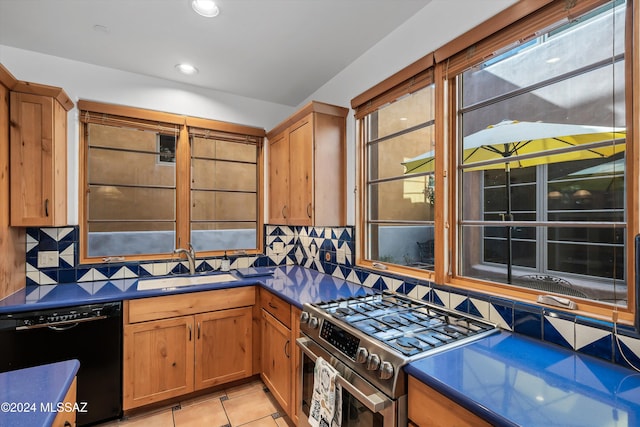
(191, 257)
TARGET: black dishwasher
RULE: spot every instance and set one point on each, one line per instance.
(91, 334)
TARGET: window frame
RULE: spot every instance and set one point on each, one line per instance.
(182, 177)
(475, 46)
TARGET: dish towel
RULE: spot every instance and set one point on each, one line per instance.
(326, 402)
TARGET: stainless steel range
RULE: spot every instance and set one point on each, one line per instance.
(368, 339)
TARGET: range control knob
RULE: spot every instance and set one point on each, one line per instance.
(373, 362)
(361, 355)
(386, 370)
(304, 317)
(313, 322)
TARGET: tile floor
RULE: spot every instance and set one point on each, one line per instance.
(247, 405)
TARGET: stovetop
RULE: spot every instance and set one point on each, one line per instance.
(376, 335)
(408, 326)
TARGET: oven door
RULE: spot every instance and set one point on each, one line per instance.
(362, 404)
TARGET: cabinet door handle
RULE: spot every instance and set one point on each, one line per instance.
(284, 211)
(309, 210)
(189, 332)
(286, 349)
(46, 207)
(198, 330)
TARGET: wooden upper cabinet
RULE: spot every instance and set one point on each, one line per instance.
(38, 153)
(307, 167)
(279, 179)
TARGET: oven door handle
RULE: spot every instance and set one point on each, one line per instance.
(375, 402)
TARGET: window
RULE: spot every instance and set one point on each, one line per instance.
(542, 146)
(551, 209)
(224, 186)
(154, 182)
(399, 187)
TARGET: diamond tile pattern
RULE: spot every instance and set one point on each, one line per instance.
(331, 250)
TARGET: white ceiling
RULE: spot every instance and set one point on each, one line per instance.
(274, 50)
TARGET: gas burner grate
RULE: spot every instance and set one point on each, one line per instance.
(408, 326)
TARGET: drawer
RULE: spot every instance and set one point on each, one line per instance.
(277, 307)
(164, 307)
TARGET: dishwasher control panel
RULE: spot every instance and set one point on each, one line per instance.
(59, 316)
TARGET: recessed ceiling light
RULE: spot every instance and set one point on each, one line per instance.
(206, 8)
(553, 60)
(404, 119)
(187, 69)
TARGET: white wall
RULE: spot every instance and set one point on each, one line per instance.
(91, 82)
(436, 24)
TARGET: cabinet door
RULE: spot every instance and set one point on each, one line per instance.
(296, 355)
(38, 161)
(68, 418)
(442, 411)
(276, 365)
(279, 179)
(158, 360)
(301, 172)
(223, 346)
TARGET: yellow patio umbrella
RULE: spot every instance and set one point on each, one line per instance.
(524, 144)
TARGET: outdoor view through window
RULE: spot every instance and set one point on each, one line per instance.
(543, 132)
(401, 203)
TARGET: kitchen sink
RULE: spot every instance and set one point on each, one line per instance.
(178, 281)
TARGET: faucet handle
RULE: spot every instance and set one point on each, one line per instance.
(193, 251)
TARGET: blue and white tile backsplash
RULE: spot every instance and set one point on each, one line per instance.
(331, 250)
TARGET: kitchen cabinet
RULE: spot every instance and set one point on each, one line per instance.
(428, 408)
(67, 418)
(177, 344)
(307, 167)
(38, 153)
(279, 353)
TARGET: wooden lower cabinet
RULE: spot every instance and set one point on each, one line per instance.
(158, 361)
(428, 408)
(223, 347)
(296, 360)
(280, 356)
(67, 418)
(276, 355)
(167, 358)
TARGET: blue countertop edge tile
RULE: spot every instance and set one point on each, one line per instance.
(40, 385)
(555, 386)
(296, 285)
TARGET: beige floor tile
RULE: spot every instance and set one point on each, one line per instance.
(267, 421)
(251, 387)
(163, 418)
(248, 407)
(284, 422)
(213, 396)
(208, 413)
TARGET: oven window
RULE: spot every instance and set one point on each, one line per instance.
(354, 413)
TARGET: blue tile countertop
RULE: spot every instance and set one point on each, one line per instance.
(513, 380)
(28, 397)
(297, 285)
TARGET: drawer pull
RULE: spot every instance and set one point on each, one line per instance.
(275, 307)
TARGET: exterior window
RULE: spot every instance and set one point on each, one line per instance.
(542, 146)
(224, 203)
(131, 196)
(400, 198)
(153, 186)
